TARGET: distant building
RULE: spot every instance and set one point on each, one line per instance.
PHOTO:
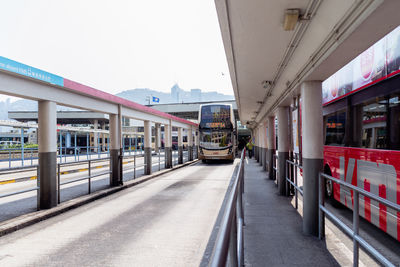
(195, 95)
(176, 91)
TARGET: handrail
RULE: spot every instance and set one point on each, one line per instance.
(17, 169)
(229, 240)
(296, 187)
(73, 163)
(19, 192)
(89, 177)
(352, 233)
(89, 169)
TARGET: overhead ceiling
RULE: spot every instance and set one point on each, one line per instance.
(256, 45)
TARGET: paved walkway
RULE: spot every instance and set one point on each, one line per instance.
(273, 232)
(166, 221)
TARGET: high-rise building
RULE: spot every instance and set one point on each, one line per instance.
(195, 95)
(175, 93)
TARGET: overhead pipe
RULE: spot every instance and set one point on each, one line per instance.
(295, 40)
(351, 19)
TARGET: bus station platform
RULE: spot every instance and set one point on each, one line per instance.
(173, 220)
(273, 232)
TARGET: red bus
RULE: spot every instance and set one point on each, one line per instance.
(362, 130)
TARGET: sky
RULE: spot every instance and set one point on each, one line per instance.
(120, 44)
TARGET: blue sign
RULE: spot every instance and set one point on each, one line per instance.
(25, 70)
(156, 99)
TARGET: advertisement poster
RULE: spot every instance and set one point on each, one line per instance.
(338, 84)
(370, 65)
(296, 141)
(377, 62)
(393, 51)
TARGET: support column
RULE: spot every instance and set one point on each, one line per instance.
(264, 139)
(256, 145)
(260, 138)
(196, 144)
(158, 138)
(147, 147)
(115, 144)
(190, 144)
(47, 139)
(271, 146)
(283, 147)
(95, 135)
(103, 137)
(312, 151)
(180, 145)
(168, 146)
(68, 139)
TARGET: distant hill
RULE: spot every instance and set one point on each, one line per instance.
(177, 95)
(138, 95)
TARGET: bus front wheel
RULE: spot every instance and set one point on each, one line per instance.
(329, 189)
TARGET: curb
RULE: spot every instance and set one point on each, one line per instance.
(25, 220)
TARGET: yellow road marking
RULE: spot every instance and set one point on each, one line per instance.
(8, 182)
(62, 173)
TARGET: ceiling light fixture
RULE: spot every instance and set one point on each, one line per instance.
(266, 84)
(291, 18)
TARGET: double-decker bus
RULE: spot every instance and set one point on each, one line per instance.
(362, 131)
(217, 129)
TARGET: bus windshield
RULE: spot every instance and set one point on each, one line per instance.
(215, 139)
(216, 117)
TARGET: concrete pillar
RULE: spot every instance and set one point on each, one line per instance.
(115, 150)
(283, 147)
(264, 140)
(180, 145)
(256, 144)
(47, 140)
(270, 146)
(190, 143)
(103, 137)
(196, 144)
(67, 139)
(147, 147)
(312, 151)
(95, 135)
(168, 146)
(158, 138)
(260, 138)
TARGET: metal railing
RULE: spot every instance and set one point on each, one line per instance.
(89, 168)
(89, 177)
(293, 180)
(230, 242)
(352, 233)
(17, 170)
